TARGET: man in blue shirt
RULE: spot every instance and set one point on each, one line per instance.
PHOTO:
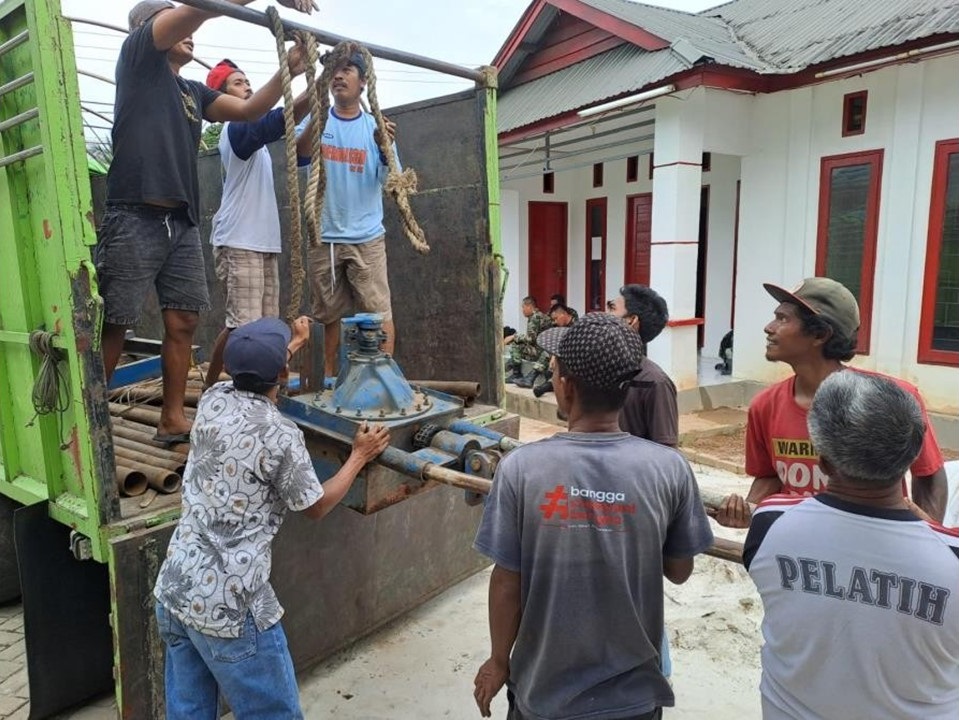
(348, 268)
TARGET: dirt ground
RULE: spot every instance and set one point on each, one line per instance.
(729, 447)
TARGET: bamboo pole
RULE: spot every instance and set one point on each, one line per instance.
(130, 481)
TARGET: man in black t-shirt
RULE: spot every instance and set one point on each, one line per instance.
(149, 232)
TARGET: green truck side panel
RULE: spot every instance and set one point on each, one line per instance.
(48, 283)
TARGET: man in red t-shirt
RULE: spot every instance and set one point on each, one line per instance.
(814, 331)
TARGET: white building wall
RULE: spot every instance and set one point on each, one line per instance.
(719, 253)
(909, 108)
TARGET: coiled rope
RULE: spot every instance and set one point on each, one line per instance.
(49, 389)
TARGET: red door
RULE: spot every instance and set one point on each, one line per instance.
(547, 251)
(639, 220)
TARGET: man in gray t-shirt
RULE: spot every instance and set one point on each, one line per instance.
(582, 527)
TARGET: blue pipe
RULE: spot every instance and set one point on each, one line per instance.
(464, 426)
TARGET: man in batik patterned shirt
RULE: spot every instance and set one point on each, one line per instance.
(248, 466)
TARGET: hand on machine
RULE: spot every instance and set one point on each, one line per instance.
(370, 441)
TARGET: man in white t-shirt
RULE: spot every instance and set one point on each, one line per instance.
(246, 229)
(856, 582)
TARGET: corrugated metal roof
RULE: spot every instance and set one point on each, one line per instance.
(791, 35)
(708, 34)
(621, 70)
(765, 36)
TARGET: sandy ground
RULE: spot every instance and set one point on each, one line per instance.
(422, 665)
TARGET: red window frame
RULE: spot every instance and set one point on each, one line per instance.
(597, 175)
(847, 101)
(827, 165)
(632, 168)
(930, 283)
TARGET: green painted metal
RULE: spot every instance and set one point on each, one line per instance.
(46, 230)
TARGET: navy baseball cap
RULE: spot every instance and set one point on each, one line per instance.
(599, 350)
(257, 350)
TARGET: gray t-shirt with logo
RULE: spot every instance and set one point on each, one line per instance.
(585, 519)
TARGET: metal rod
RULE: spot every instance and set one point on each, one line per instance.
(19, 119)
(15, 84)
(22, 155)
(104, 78)
(586, 138)
(94, 112)
(16, 41)
(257, 18)
(117, 28)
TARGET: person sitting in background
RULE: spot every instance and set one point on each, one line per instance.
(558, 300)
(561, 316)
(524, 347)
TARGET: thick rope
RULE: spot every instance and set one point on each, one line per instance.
(292, 172)
(399, 185)
(311, 205)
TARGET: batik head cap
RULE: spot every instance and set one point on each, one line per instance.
(599, 350)
(145, 10)
(257, 350)
(824, 297)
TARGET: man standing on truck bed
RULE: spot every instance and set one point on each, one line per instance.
(246, 229)
(149, 231)
(348, 269)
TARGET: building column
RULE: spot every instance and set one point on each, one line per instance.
(677, 183)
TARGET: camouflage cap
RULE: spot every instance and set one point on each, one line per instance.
(824, 297)
(599, 350)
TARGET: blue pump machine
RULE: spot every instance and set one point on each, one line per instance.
(430, 439)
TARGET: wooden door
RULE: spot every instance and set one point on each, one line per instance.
(639, 220)
(547, 251)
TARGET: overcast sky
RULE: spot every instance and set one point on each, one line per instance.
(465, 32)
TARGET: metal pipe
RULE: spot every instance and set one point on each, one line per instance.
(587, 138)
(22, 155)
(15, 84)
(257, 18)
(465, 426)
(94, 75)
(117, 28)
(137, 445)
(163, 481)
(94, 112)
(130, 481)
(144, 460)
(16, 41)
(19, 119)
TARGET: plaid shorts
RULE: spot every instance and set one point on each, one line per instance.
(347, 277)
(142, 245)
(252, 284)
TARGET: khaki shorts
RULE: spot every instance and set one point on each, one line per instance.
(360, 283)
(252, 284)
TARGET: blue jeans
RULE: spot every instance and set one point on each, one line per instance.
(254, 672)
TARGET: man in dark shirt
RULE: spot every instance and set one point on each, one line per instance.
(650, 411)
(149, 232)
